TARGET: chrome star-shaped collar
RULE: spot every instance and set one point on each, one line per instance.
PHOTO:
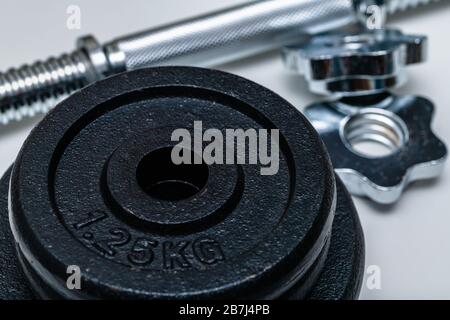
(402, 124)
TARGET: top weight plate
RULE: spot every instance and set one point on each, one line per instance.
(94, 187)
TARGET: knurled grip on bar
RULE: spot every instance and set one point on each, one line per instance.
(231, 34)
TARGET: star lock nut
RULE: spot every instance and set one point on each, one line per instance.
(399, 124)
(356, 64)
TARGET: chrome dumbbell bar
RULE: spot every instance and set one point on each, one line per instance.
(203, 41)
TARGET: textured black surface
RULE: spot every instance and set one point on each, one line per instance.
(342, 275)
(13, 285)
(78, 197)
(340, 279)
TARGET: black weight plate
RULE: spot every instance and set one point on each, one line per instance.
(340, 279)
(76, 181)
(342, 275)
(13, 285)
(244, 235)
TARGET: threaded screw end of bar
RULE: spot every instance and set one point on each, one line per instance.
(36, 88)
(394, 6)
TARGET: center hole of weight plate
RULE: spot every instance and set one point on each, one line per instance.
(374, 133)
(160, 178)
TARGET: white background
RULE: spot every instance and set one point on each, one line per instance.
(409, 241)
